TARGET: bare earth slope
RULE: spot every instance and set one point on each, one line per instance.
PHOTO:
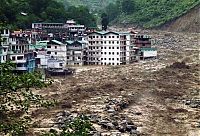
(189, 22)
(162, 99)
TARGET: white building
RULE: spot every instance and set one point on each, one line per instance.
(109, 48)
(57, 50)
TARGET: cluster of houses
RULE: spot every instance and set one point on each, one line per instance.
(58, 45)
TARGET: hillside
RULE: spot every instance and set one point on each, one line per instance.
(189, 22)
(151, 13)
(92, 4)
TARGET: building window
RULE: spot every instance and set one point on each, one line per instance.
(105, 63)
(55, 53)
(48, 52)
(13, 58)
(113, 63)
(112, 58)
(117, 42)
(104, 52)
(117, 36)
(109, 58)
(60, 64)
(109, 42)
(113, 53)
(101, 36)
(93, 36)
(117, 47)
(109, 36)
(113, 36)
(104, 42)
(101, 47)
(67, 57)
(48, 46)
(101, 58)
(117, 53)
(101, 42)
(104, 58)
(113, 47)
(117, 58)
(113, 42)
(104, 47)
(109, 47)
(101, 52)
(19, 57)
(104, 36)
(97, 36)
(109, 53)
(4, 50)
(55, 47)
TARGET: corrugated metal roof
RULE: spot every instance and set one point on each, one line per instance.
(58, 42)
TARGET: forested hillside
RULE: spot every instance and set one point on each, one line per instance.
(148, 13)
(94, 5)
(21, 13)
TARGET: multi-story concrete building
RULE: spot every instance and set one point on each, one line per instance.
(109, 48)
(143, 49)
(15, 47)
(76, 52)
(57, 50)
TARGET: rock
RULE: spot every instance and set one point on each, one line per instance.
(111, 111)
(134, 132)
(129, 128)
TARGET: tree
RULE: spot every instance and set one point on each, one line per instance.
(128, 6)
(112, 10)
(104, 21)
(79, 126)
(16, 97)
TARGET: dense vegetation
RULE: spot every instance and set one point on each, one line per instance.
(94, 5)
(16, 98)
(21, 13)
(148, 13)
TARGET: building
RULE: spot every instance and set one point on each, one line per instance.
(143, 48)
(15, 47)
(4, 45)
(110, 48)
(76, 53)
(57, 50)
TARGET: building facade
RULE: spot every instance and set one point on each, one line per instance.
(109, 48)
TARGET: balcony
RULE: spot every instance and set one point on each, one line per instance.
(21, 68)
(74, 48)
(95, 39)
(94, 50)
(19, 61)
(142, 42)
(94, 55)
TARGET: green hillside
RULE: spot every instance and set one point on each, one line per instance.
(91, 4)
(148, 13)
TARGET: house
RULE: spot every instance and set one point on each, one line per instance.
(15, 47)
(57, 50)
(109, 48)
(143, 48)
(76, 53)
(19, 52)
(41, 56)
